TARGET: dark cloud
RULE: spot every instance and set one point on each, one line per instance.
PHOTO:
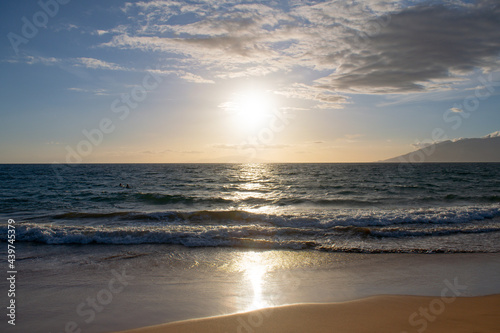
(422, 48)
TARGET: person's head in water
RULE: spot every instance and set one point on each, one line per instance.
(127, 186)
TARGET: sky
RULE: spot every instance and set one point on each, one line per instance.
(243, 81)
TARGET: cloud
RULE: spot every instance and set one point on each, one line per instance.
(97, 92)
(191, 152)
(232, 40)
(48, 61)
(369, 47)
(422, 48)
(190, 77)
(227, 146)
(492, 135)
(349, 138)
(353, 136)
(168, 151)
(97, 64)
(456, 110)
(249, 146)
(90, 63)
(421, 145)
(303, 91)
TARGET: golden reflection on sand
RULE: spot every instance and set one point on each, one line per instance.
(255, 272)
(255, 266)
(258, 268)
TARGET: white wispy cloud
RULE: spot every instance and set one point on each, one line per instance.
(97, 92)
(41, 60)
(97, 64)
(190, 77)
(492, 135)
(170, 151)
(325, 98)
(249, 146)
(90, 63)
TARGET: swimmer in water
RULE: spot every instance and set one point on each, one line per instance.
(127, 186)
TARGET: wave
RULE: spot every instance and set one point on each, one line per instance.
(154, 198)
(159, 199)
(325, 202)
(81, 215)
(395, 233)
(484, 198)
(318, 219)
(169, 199)
(345, 198)
(196, 217)
(432, 229)
(256, 235)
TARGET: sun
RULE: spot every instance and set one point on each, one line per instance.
(250, 108)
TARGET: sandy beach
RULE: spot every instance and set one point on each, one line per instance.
(373, 314)
(102, 289)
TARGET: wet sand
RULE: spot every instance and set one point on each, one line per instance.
(110, 288)
(373, 314)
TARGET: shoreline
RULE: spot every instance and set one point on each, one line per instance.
(168, 284)
(383, 313)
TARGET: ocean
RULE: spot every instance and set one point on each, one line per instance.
(367, 208)
(188, 241)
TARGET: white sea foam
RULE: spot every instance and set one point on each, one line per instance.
(375, 228)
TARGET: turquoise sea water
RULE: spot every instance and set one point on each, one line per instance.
(330, 207)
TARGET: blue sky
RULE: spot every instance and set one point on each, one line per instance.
(224, 81)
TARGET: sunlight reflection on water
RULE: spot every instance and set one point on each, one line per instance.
(260, 271)
(255, 267)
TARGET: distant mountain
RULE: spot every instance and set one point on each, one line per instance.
(485, 149)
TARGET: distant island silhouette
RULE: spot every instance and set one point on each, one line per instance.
(485, 149)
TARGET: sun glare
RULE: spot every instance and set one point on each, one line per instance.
(250, 108)
(255, 266)
(255, 271)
